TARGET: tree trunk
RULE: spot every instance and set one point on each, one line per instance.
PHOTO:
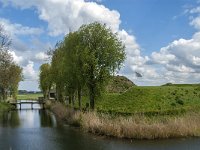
(92, 87)
(57, 92)
(92, 98)
(4, 94)
(79, 98)
(70, 99)
(73, 98)
(46, 93)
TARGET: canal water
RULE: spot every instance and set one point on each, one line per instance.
(38, 129)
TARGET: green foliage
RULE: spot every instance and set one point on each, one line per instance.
(104, 55)
(85, 59)
(45, 79)
(10, 72)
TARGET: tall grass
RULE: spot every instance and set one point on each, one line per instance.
(140, 127)
(134, 127)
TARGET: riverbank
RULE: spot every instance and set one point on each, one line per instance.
(131, 127)
(5, 106)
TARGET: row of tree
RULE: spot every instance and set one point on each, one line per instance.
(10, 72)
(84, 61)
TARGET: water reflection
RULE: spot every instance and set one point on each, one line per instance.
(38, 130)
(47, 119)
(9, 119)
(27, 119)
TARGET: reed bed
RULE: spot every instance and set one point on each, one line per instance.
(131, 127)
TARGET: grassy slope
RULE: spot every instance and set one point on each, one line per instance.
(28, 96)
(4, 106)
(119, 84)
(151, 100)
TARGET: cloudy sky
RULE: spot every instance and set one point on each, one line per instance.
(162, 37)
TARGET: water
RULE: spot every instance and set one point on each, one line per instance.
(38, 129)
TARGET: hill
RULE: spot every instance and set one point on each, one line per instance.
(180, 85)
(119, 84)
(163, 100)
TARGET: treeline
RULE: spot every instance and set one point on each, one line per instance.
(82, 64)
(10, 72)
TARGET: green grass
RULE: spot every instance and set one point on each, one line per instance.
(155, 100)
(5, 106)
(28, 96)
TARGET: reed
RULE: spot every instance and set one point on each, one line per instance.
(133, 127)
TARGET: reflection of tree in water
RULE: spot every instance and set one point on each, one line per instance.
(9, 119)
(46, 119)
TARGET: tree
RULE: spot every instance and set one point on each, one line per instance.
(45, 82)
(10, 73)
(104, 54)
(85, 58)
(5, 40)
(74, 62)
(15, 76)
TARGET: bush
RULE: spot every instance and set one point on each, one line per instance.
(179, 101)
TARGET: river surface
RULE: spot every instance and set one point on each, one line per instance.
(38, 129)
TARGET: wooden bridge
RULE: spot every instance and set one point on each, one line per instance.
(20, 103)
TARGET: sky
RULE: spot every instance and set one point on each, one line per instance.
(162, 37)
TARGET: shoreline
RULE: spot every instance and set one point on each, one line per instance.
(4, 106)
(132, 127)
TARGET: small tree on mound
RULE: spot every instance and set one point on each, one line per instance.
(104, 55)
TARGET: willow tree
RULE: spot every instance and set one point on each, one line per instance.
(15, 76)
(10, 72)
(45, 79)
(57, 70)
(74, 66)
(104, 54)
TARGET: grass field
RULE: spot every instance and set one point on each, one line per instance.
(28, 96)
(161, 100)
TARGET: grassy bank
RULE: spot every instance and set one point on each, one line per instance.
(5, 106)
(132, 127)
(140, 113)
(157, 100)
(28, 96)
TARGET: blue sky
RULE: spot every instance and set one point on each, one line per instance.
(161, 36)
(155, 23)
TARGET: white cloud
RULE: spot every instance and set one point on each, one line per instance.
(195, 10)
(163, 57)
(17, 29)
(64, 16)
(17, 59)
(68, 15)
(29, 71)
(196, 60)
(196, 23)
(179, 61)
(41, 56)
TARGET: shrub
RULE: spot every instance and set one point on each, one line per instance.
(179, 101)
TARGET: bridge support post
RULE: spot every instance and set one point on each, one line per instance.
(20, 106)
(32, 106)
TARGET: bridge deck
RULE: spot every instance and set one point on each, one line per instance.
(27, 102)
